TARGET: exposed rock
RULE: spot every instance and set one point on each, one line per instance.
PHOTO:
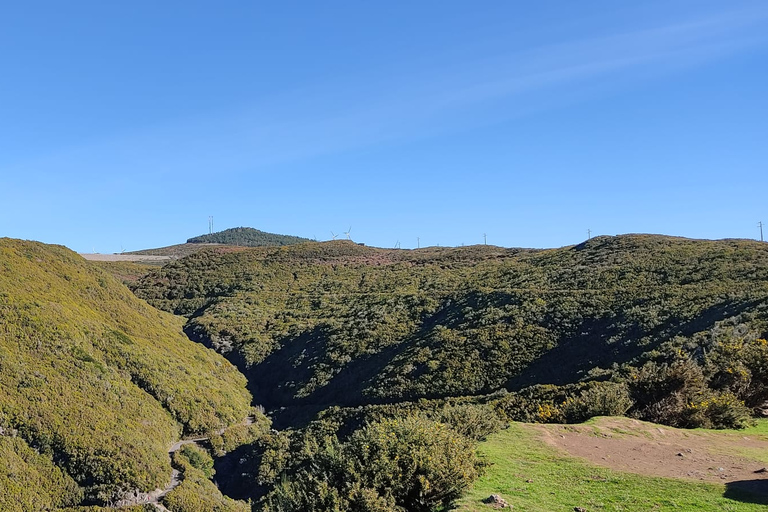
(497, 501)
(129, 498)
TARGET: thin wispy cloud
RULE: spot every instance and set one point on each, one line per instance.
(401, 108)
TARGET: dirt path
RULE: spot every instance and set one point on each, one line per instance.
(155, 497)
(643, 448)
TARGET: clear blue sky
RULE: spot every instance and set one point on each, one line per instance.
(124, 125)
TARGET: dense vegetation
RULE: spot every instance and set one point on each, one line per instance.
(95, 384)
(402, 360)
(31, 481)
(402, 464)
(197, 493)
(247, 237)
(662, 328)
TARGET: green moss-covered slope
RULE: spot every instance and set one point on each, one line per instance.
(96, 380)
(338, 323)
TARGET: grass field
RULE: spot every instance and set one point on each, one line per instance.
(533, 476)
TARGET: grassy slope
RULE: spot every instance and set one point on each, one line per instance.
(560, 483)
(338, 323)
(126, 271)
(98, 380)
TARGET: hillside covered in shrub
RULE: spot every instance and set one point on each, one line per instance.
(95, 385)
(663, 328)
(247, 237)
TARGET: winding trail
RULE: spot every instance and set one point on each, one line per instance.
(154, 498)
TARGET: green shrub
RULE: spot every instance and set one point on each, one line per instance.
(422, 465)
(199, 459)
(721, 410)
(323, 481)
(741, 367)
(540, 403)
(473, 421)
(600, 399)
(404, 464)
(662, 392)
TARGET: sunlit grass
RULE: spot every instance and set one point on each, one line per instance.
(534, 477)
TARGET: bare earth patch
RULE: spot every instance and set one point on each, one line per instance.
(633, 446)
(124, 257)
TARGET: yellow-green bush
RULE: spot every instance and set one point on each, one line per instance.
(197, 493)
(97, 380)
(393, 465)
(30, 481)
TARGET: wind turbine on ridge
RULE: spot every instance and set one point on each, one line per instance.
(347, 232)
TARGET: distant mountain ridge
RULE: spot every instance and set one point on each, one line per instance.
(247, 237)
(233, 237)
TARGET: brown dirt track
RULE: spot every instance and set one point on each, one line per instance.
(633, 446)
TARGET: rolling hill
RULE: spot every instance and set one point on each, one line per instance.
(336, 323)
(373, 353)
(229, 238)
(418, 353)
(247, 237)
(95, 385)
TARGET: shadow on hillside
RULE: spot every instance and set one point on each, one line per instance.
(574, 357)
(274, 382)
(237, 474)
(748, 491)
(278, 377)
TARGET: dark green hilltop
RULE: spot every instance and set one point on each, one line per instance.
(247, 237)
(233, 237)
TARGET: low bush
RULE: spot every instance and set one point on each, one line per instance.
(474, 421)
(600, 399)
(198, 459)
(719, 410)
(406, 464)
